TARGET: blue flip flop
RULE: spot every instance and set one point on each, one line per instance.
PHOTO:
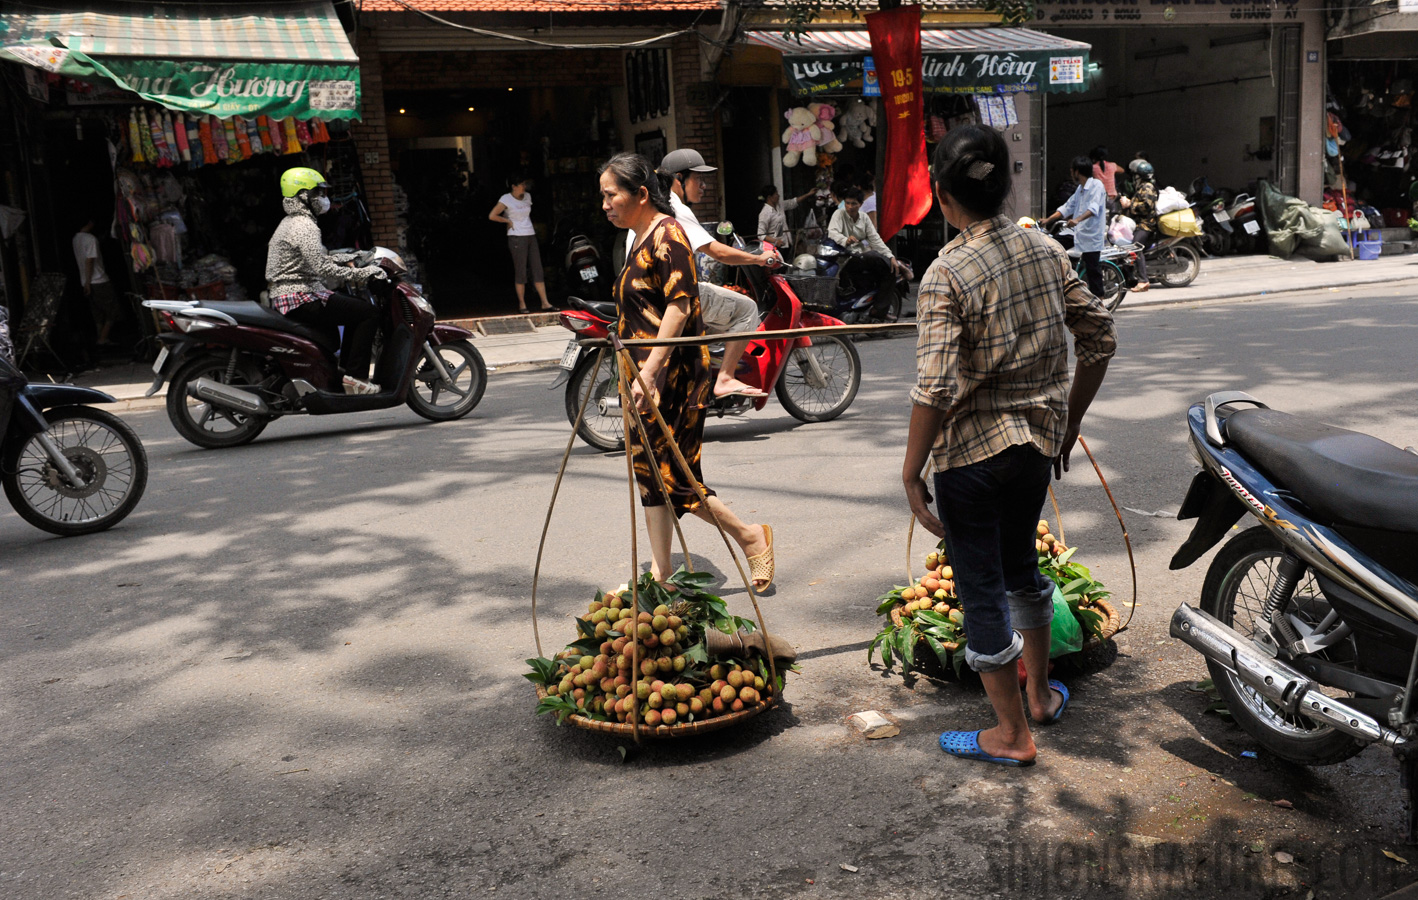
(1058, 686)
(966, 745)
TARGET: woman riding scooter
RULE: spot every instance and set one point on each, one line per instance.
(297, 266)
(1142, 207)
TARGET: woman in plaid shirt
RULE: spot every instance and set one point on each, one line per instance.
(994, 409)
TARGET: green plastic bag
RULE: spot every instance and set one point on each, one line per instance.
(1066, 635)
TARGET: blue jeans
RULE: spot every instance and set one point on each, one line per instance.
(990, 510)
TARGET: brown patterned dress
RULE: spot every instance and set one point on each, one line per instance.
(659, 271)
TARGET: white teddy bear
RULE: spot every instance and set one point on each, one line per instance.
(857, 123)
(801, 136)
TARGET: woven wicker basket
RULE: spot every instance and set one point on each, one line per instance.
(667, 732)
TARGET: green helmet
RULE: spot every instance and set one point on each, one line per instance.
(302, 179)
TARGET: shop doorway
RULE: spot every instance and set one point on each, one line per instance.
(454, 154)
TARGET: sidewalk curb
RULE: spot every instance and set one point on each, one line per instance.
(1262, 295)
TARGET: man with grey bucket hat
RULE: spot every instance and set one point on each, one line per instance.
(724, 311)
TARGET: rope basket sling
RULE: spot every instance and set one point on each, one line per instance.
(627, 370)
(1113, 622)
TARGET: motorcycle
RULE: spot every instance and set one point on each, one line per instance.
(1308, 621)
(816, 380)
(1173, 261)
(856, 297)
(68, 469)
(1117, 261)
(1248, 231)
(585, 274)
(235, 366)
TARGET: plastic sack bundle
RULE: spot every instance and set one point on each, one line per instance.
(1169, 199)
(1120, 232)
(1182, 223)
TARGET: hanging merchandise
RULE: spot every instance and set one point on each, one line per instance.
(169, 134)
(233, 149)
(273, 127)
(209, 149)
(292, 136)
(242, 140)
(179, 127)
(264, 132)
(321, 133)
(253, 134)
(135, 143)
(302, 131)
(145, 131)
(857, 123)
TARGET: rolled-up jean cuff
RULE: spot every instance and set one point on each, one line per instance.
(1031, 608)
(1008, 655)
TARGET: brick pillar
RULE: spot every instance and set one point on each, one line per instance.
(371, 136)
(696, 126)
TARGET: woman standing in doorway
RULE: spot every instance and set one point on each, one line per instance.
(514, 209)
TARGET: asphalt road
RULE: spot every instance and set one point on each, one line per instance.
(294, 671)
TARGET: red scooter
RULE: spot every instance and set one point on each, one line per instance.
(815, 379)
(236, 366)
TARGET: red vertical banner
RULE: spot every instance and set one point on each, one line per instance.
(904, 193)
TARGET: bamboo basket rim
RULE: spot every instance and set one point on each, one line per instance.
(1111, 625)
(668, 732)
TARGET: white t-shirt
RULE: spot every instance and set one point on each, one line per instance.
(85, 249)
(520, 212)
(687, 220)
(869, 204)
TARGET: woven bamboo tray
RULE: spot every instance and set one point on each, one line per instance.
(667, 732)
(1112, 622)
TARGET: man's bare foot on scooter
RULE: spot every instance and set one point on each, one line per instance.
(735, 388)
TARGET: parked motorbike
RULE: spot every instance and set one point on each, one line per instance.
(816, 379)
(856, 296)
(1174, 261)
(1308, 621)
(586, 276)
(1248, 233)
(67, 468)
(235, 367)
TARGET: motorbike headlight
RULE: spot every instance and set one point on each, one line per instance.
(421, 304)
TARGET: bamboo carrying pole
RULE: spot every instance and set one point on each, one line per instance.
(1344, 193)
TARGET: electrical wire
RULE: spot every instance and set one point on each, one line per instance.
(548, 44)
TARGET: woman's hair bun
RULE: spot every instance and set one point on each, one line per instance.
(971, 164)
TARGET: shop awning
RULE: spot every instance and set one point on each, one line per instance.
(222, 59)
(953, 60)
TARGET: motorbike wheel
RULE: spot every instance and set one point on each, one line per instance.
(1187, 259)
(841, 370)
(1114, 286)
(432, 399)
(1235, 590)
(206, 424)
(106, 453)
(604, 432)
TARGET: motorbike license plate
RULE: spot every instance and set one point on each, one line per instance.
(162, 358)
(1252, 227)
(588, 274)
(570, 355)
(1221, 215)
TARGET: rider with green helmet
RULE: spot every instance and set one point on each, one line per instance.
(298, 266)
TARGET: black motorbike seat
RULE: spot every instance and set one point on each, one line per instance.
(246, 312)
(1343, 476)
(602, 309)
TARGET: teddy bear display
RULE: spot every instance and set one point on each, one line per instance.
(801, 136)
(857, 123)
(827, 140)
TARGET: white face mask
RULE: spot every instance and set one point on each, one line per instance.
(319, 205)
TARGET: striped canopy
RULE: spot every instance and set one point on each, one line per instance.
(224, 59)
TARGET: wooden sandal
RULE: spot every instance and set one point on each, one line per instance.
(760, 567)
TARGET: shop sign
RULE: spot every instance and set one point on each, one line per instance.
(1182, 12)
(944, 73)
(222, 89)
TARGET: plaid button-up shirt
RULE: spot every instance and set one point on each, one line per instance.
(994, 311)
